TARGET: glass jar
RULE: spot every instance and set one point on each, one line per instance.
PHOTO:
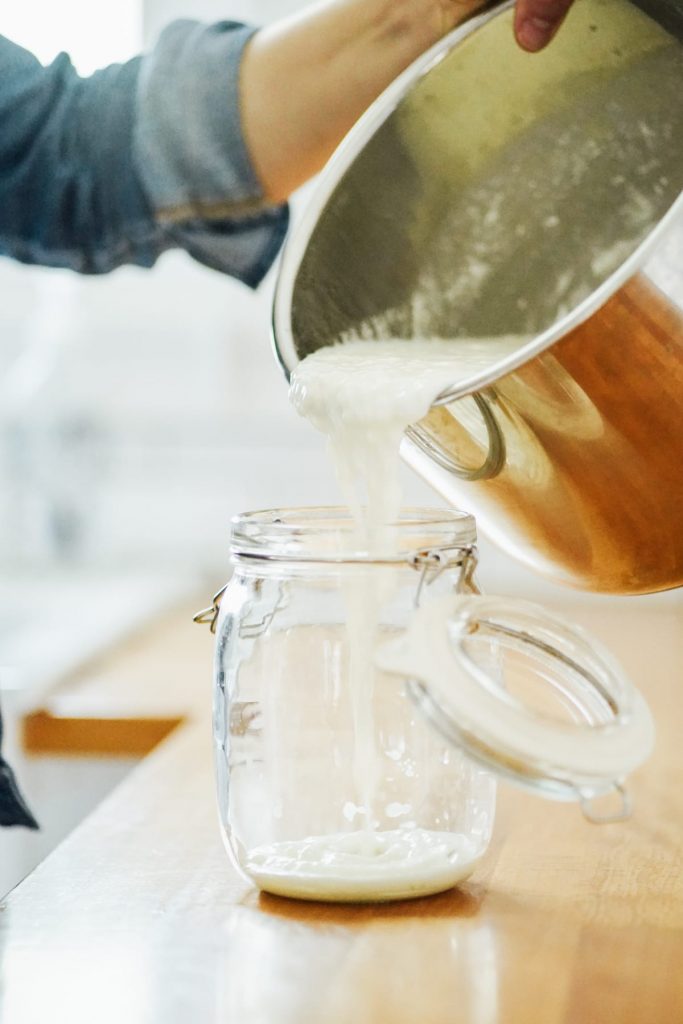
(365, 770)
(323, 780)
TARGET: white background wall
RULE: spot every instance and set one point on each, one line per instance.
(139, 411)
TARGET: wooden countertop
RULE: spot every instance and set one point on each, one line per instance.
(139, 916)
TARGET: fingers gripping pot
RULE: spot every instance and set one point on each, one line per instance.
(385, 790)
(491, 193)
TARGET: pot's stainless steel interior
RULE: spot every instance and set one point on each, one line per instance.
(492, 192)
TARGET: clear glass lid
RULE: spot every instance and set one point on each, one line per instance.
(526, 694)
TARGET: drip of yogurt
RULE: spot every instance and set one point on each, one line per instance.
(362, 395)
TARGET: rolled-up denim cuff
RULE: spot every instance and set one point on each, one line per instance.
(249, 257)
(189, 145)
(191, 155)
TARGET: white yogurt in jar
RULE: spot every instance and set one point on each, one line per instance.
(364, 866)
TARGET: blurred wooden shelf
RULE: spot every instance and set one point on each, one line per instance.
(126, 701)
(47, 733)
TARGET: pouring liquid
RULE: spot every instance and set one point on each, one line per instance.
(362, 395)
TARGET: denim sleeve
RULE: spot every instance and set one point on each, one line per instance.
(136, 159)
(13, 808)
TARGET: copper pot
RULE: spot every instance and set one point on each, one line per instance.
(491, 192)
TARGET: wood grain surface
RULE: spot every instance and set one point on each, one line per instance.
(140, 917)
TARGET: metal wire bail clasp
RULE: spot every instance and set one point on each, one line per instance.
(209, 616)
(621, 811)
(432, 563)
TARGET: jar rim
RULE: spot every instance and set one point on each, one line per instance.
(326, 534)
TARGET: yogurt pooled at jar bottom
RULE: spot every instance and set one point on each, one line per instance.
(357, 866)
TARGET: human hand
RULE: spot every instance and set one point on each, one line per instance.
(306, 79)
(537, 21)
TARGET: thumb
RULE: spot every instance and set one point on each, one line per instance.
(537, 21)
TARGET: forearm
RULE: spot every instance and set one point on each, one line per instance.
(306, 80)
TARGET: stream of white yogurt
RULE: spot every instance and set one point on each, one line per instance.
(362, 395)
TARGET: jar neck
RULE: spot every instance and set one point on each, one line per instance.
(328, 536)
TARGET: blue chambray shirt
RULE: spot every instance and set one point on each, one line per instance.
(119, 167)
(136, 159)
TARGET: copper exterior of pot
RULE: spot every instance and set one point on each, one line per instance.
(490, 192)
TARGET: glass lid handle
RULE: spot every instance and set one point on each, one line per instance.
(527, 694)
